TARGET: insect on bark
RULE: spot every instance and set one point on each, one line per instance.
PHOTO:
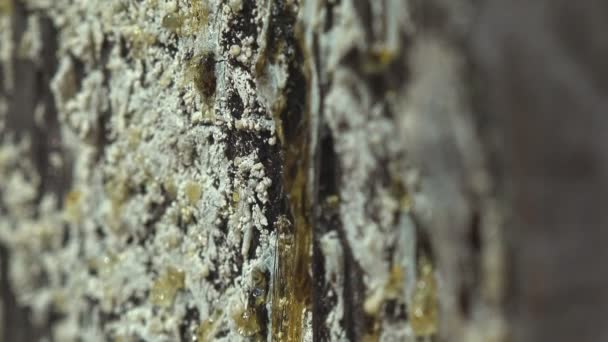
(202, 69)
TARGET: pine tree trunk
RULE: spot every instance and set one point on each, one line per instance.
(298, 170)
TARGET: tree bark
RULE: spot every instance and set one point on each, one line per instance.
(298, 170)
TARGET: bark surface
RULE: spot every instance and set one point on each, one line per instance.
(298, 170)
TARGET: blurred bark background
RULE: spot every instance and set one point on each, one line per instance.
(303, 170)
(545, 95)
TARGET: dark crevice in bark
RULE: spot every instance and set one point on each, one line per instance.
(102, 138)
(329, 168)
(324, 185)
(356, 322)
(326, 220)
(31, 89)
(329, 15)
(292, 283)
(191, 319)
(363, 9)
(244, 25)
(17, 324)
(280, 30)
(22, 97)
(55, 179)
(157, 211)
(470, 288)
(321, 304)
(424, 247)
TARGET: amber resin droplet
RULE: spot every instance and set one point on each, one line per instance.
(166, 286)
(423, 313)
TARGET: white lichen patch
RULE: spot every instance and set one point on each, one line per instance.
(166, 214)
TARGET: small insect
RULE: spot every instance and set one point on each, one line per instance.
(259, 287)
(202, 70)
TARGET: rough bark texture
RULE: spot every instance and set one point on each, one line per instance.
(296, 170)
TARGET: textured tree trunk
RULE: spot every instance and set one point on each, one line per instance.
(297, 170)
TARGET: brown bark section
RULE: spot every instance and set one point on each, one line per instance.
(546, 100)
